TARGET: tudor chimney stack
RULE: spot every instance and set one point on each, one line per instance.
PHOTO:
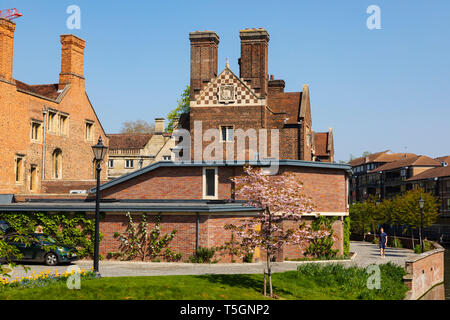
(204, 46)
(7, 29)
(253, 64)
(72, 60)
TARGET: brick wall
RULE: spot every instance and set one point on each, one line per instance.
(326, 186)
(424, 272)
(18, 109)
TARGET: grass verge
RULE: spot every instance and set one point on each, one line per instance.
(309, 282)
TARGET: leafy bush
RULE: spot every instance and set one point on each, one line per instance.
(143, 243)
(353, 280)
(426, 247)
(322, 247)
(248, 258)
(71, 230)
(202, 255)
(396, 243)
(347, 236)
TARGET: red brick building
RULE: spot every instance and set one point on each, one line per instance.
(252, 101)
(180, 193)
(196, 197)
(46, 130)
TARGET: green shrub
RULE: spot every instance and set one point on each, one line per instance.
(427, 246)
(202, 255)
(396, 243)
(352, 280)
(248, 258)
(71, 230)
(347, 236)
(322, 247)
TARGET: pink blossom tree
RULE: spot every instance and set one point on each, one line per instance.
(280, 198)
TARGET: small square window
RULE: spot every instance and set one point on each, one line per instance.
(167, 158)
(129, 164)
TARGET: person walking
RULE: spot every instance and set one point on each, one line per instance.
(383, 242)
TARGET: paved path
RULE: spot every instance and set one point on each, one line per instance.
(366, 253)
(120, 269)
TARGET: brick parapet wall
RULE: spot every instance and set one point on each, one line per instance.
(424, 272)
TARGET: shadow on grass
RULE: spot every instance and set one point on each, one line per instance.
(242, 281)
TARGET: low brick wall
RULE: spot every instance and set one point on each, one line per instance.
(424, 272)
(211, 234)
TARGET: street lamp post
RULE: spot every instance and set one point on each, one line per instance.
(99, 154)
(421, 203)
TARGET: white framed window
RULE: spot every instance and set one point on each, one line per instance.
(226, 133)
(110, 163)
(210, 183)
(129, 164)
(167, 158)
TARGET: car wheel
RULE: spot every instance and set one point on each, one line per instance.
(51, 259)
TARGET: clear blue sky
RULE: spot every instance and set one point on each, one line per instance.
(378, 89)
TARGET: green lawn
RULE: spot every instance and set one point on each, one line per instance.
(310, 282)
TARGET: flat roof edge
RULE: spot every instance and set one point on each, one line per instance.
(286, 162)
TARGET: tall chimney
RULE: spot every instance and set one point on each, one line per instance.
(72, 59)
(253, 63)
(203, 59)
(7, 29)
(159, 125)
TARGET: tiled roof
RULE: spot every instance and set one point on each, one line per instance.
(444, 159)
(287, 102)
(128, 140)
(411, 161)
(383, 156)
(432, 173)
(46, 90)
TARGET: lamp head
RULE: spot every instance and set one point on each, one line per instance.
(99, 150)
(421, 202)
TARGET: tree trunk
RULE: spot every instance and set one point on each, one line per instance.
(412, 238)
(269, 273)
(265, 283)
(269, 269)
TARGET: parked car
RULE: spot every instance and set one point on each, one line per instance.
(4, 226)
(36, 251)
